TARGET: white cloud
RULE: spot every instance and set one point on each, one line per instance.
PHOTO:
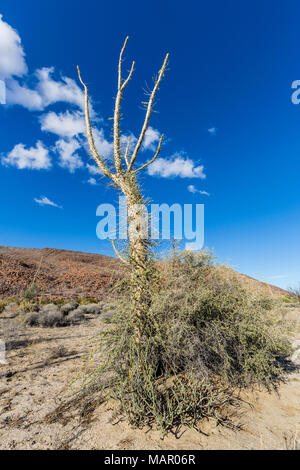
(92, 181)
(34, 158)
(44, 201)
(68, 158)
(192, 189)
(124, 142)
(151, 136)
(177, 165)
(47, 91)
(93, 169)
(212, 130)
(53, 91)
(63, 124)
(12, 62)
(103, 146)
(23, 96)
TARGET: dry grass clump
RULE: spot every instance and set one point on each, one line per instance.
(210, 337)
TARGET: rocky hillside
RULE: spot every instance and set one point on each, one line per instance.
(61, 273)
(71, 274)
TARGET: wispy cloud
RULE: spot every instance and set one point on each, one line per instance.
(47, 91)
(151, 137)
(44, 201)
(93, 169)
(192, 189)
(92, 181)
(68, 158)
(176, 166)
(34, 158)
(212, 130)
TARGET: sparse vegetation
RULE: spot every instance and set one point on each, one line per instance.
(53, 315)
(48, 318)
(295, 292)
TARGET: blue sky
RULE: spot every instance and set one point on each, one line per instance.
(224, 105)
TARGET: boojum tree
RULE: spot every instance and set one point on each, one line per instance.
(123, 174)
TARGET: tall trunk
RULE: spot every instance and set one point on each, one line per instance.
(139, 256)
(125, 179)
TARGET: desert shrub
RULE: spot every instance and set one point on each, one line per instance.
(76, 316)
(206, 336)
(68, 307)
(31, 319)
(92, 308)
(31, 292)
(49, 316)
(295, 291)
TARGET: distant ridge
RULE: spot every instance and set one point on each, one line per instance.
(63, 273)
(72, 274)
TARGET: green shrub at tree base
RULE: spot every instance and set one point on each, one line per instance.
(206, 337)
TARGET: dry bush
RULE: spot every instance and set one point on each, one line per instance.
(209, 338)
(295, 291)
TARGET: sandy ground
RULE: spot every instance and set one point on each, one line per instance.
(43, 361)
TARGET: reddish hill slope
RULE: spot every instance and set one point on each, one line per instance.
(70, 274)
(63, 274)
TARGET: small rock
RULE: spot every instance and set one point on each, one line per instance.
(9, 374)
(296, 344)
(296, 357)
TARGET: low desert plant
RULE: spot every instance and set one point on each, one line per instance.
(30, 293)
(51, 316)
(295, 292)
(210, 336)
(46, 319)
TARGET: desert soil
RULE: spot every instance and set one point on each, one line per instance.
(42, 362)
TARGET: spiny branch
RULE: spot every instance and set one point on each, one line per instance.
(148, 113)
(124, 260)
(91, 141)
(121, 87)
(152, 159)
(126, 152)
